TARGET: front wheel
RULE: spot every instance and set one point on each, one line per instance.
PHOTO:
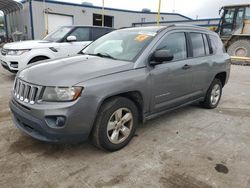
(115, 124)
(240, 48)
(213, 95)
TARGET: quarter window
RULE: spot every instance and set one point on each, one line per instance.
(175, 43)
(197, 44)
(206, 44)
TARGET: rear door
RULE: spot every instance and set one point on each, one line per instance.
(201, 61)
(172, 81)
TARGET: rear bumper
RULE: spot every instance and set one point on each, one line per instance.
(37, 128)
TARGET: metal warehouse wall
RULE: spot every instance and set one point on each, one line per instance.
(20, 21)
(83, 15)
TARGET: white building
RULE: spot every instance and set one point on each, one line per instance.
(38, 17)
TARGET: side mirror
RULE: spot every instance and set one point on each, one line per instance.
(71, 39)
(160, 56)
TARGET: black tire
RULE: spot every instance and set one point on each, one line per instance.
(36, 59)
(239, 48)
(99, 134)
(207, 103)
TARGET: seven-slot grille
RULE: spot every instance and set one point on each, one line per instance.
(26, 92)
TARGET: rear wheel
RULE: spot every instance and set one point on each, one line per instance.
(240, 48)
(213, 95)
(115, 124)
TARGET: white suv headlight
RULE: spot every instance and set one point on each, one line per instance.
(16, 52)
(63, 94)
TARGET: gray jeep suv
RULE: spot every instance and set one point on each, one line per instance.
(125, 77)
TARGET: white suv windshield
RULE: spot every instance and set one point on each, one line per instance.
(58, 34)
(121, 44)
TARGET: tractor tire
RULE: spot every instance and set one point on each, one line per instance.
(240, 48)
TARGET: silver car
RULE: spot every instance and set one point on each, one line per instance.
(124, 78)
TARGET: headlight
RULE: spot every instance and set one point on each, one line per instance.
(62, 94)
(16, 52)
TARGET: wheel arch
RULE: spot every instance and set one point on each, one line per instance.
(42, 57)
(222, 76)
(135, 96)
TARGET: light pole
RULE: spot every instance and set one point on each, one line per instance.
(159, 13)
(102, 13)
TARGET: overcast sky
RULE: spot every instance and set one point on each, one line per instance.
(190, 8)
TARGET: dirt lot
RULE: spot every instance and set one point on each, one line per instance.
(190, 147)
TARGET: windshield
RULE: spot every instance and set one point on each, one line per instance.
(58, 34)
(121, 44)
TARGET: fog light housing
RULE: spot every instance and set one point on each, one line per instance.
(14, 64)
(55, 122)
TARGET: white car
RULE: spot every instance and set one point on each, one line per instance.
(66, 41)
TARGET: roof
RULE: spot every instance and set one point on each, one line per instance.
(236, 5)
(106, 8)
(8, 6)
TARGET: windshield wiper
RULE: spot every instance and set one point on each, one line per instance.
(102, 55)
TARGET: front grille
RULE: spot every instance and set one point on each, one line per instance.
(26, 92)
(4, 51)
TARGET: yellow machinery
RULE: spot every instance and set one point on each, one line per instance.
(234, 29)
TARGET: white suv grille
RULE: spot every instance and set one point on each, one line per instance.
(26, 92)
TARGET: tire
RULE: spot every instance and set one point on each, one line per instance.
(106, 119)
(240, 48)
(36, 59)
(212, 98)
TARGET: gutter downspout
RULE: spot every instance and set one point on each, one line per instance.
(31, 20)
(6, 26)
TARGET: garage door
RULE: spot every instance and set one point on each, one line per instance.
(55, 21)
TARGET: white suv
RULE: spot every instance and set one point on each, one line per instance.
(66, 41)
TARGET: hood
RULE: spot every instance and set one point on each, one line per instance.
(72, 70)
(29, 44)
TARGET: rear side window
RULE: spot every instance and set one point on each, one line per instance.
(175, 43)
(99, 32)
(197, 44)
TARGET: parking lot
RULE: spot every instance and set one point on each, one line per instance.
(189, 147)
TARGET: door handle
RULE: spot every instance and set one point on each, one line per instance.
(186, 67)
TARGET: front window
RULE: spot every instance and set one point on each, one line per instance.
(122, 45)
(176, 44)
(81, 34)
(58, 34)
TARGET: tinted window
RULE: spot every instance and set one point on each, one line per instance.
(81, 34)
(98, 32)
(175, 43)
(206, 44)
(197, 44)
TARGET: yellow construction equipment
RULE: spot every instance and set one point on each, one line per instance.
(234, 30)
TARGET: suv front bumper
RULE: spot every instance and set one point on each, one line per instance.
(77, 128)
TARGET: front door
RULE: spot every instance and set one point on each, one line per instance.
(172, 81)
(83, 36)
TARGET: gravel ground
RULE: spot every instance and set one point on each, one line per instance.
(187, 148)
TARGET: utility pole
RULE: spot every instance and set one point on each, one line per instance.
(103, 13)
(159, 13)
(174, 6)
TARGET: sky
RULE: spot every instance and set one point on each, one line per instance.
(190, 8)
